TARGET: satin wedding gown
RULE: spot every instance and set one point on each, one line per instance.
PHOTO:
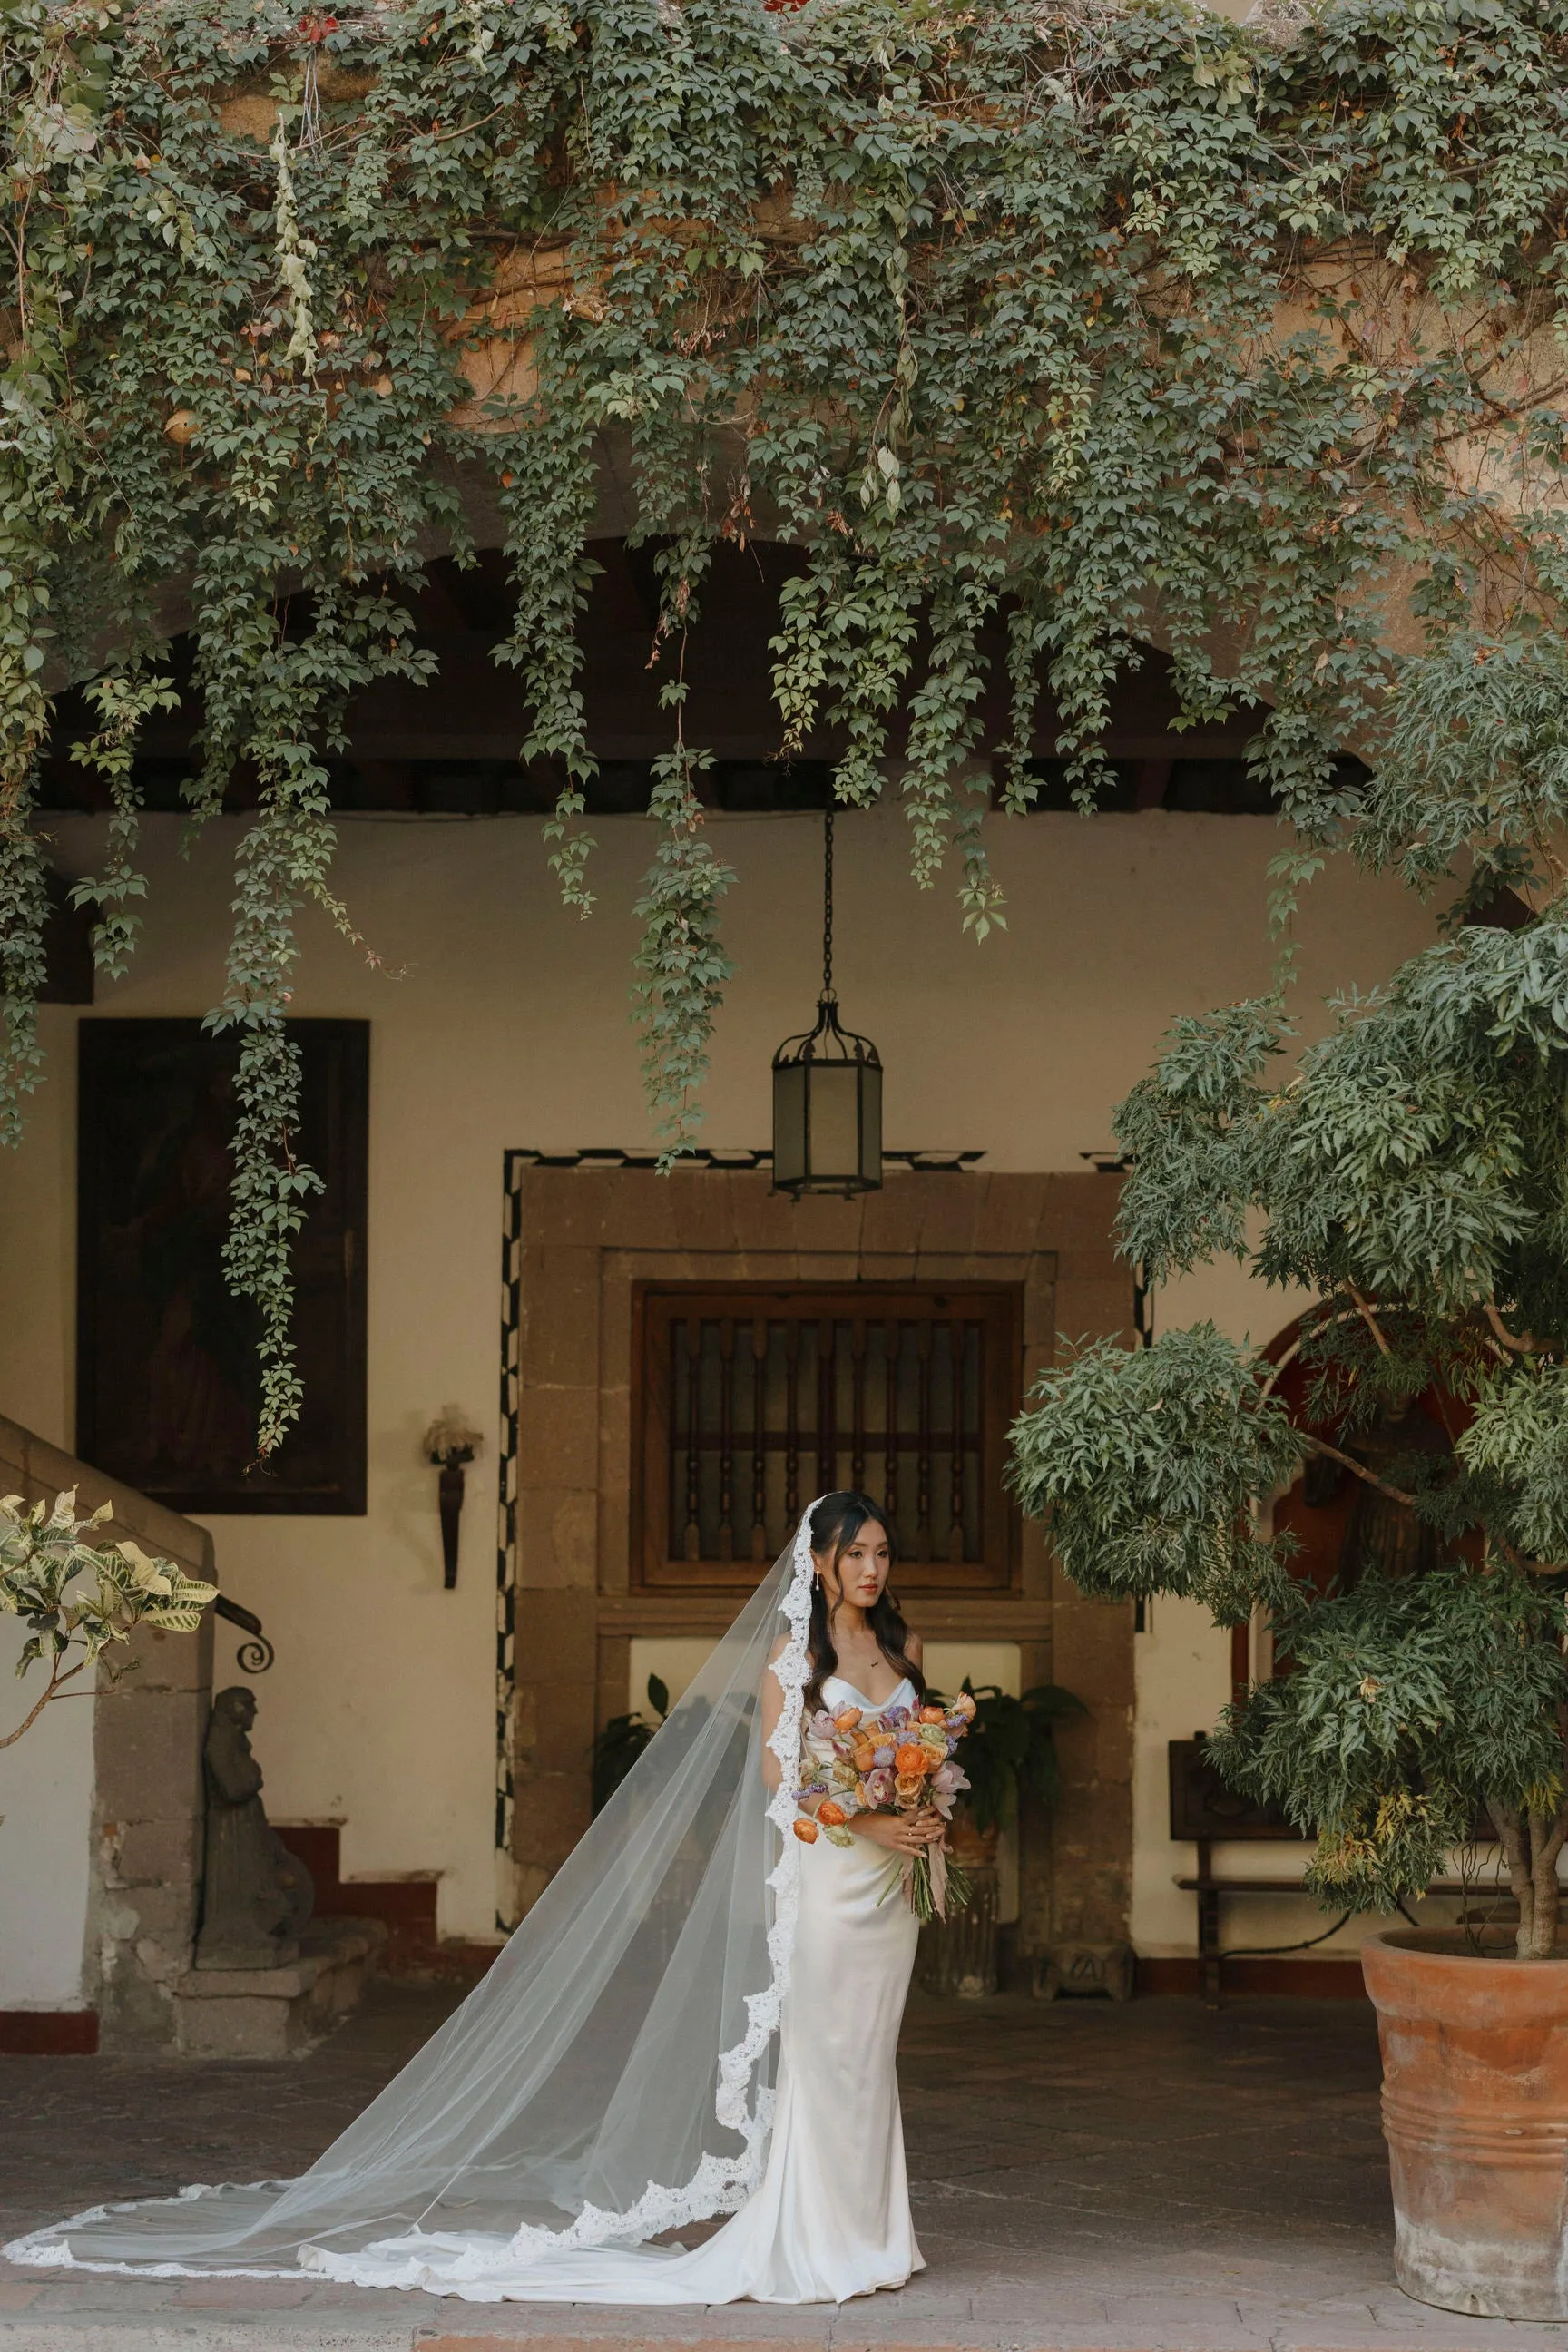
(831, 2217)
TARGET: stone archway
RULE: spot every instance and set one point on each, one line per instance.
(580, 1240)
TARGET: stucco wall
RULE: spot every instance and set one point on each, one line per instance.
(509, 1027)
(46, 1824)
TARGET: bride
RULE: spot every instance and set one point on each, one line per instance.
(698, 2017)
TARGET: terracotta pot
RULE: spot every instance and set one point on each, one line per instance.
(1475, 2111)
(957, 1957)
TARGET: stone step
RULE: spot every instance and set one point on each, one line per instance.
(277, 2012)
(415, 1949)
(97, 2330)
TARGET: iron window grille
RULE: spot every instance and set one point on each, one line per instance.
(752, 1400)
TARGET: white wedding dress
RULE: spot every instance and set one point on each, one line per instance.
(831, 2217)
(698, 2017)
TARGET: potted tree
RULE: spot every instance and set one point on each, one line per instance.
(1010, 1751)
(1411, 1175)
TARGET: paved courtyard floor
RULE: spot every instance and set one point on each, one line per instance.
(1153, 2178)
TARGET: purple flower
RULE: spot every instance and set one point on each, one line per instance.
(882, 1758)
(895, 1717)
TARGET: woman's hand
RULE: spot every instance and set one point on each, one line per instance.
(900, 1833)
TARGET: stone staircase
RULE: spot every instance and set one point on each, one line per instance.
(415, 1951)
(139, 1992)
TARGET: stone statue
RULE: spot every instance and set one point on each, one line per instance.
(256, 1896)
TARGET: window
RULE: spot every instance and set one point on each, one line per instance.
(754, 1400)
(166, 1369)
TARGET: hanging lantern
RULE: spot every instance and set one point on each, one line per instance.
(827, 1090)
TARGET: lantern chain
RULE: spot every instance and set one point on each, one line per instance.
(827, 904)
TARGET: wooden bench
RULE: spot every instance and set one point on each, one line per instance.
(1204, 1808)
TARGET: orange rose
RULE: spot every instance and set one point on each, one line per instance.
(910, 1784)
(806, 1830)
(909, 1759)
(846, 1718)
(931, 1715)
(834, 1815)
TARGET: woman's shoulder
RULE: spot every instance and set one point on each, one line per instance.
(914, 1649)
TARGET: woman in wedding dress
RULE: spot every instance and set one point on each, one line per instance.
(613, 2078)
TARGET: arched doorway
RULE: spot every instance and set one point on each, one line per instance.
(1344, 1526)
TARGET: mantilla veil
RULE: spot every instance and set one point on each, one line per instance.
(612, 2075)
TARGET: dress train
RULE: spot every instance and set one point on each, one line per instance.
(830, 2217)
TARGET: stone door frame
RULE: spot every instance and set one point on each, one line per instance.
(577, 1239)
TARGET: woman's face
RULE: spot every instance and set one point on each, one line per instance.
(861, 1570)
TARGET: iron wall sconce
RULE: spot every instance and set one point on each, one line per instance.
(448, 1445)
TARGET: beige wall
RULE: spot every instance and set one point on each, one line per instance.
(509, 1027)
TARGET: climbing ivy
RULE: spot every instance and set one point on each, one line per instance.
(1124, 323)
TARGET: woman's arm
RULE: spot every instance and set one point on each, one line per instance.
(772, 1708)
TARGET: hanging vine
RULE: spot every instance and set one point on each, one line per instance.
(1128, 324)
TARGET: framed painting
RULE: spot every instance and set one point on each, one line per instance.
(167, 1379)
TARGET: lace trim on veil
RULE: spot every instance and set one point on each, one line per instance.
(44, 2249)
(720, 2184)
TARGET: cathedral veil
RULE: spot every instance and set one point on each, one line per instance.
(612, 2075)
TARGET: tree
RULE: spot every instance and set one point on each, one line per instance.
(1412, 1173)
(80, 1592)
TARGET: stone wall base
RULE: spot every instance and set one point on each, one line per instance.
(1067, 1969)
(277, 2012)
(1305, 1980)
(49, 2033)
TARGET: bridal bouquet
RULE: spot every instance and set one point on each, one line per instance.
(899, 1759)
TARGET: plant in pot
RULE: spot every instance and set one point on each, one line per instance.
(1411, 1175)
(1010, 1751)
(617, 1747)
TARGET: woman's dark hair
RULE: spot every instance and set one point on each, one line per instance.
(835, 1523)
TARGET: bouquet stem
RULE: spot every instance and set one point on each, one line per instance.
(933, 1884)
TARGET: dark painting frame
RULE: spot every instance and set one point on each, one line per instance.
(167, 1380)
